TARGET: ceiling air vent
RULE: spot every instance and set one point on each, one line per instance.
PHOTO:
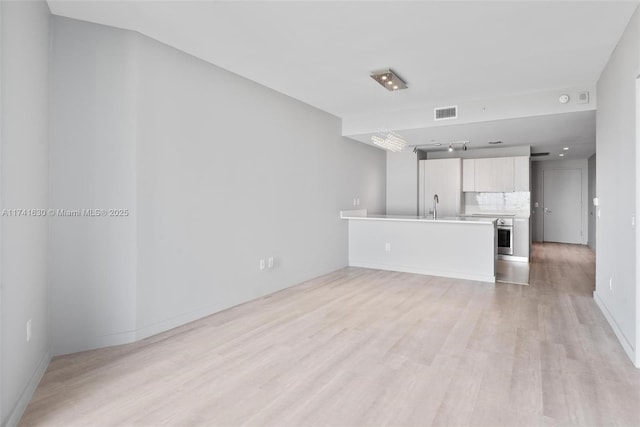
(539, 154)
(583, 97)
(444, 113)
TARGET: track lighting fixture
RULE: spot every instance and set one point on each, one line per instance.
(451, 148)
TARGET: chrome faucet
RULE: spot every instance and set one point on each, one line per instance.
(435, 203)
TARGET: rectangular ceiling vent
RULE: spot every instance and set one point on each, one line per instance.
(444, 113)
(539, 154)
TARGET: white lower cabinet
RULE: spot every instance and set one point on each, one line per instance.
(521, 240)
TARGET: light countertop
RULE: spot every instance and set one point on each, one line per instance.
(516, 215)
(455, 220)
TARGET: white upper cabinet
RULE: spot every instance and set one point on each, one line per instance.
(496, 174)
(521, 173)
(444, 178)
(469, 175)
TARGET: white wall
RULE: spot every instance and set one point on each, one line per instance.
(93, 135)
(537, 194)
(230, 172)
(363, 179)
(218, 172)
(23, 176)
(616, 187)
(591, 210)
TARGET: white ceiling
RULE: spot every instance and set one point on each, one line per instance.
(549, 133)
(322, 52)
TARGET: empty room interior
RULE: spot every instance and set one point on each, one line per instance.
(327, 213)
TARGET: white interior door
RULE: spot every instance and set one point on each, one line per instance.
(562, 205)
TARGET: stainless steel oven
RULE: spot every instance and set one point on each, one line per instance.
(504, 228)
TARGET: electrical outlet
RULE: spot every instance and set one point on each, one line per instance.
(387, 247)
(358, 201)
(270, 262)
(610, 283)
(262, 264)
(28, 330)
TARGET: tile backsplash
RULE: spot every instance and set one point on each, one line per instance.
(517, 202)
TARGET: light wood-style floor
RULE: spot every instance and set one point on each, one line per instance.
(362, 347)
(514, 272)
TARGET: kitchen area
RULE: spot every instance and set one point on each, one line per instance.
(472, 219)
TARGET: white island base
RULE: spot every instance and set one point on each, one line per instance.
(461, 248)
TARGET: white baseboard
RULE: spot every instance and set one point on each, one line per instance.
(21, 405)
(428, 272)
(513, 258)
(76, 344)
(128, 337)
(174, 322)
(626, 345)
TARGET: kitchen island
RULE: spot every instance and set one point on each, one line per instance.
(462, 248)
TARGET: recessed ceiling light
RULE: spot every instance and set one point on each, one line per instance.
(566, 148)
(390, 82)
(450, 147)
(383, 77)
(395, 87)
(561, 154)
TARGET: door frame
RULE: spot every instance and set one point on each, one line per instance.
(637, 229)
(1, 231)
